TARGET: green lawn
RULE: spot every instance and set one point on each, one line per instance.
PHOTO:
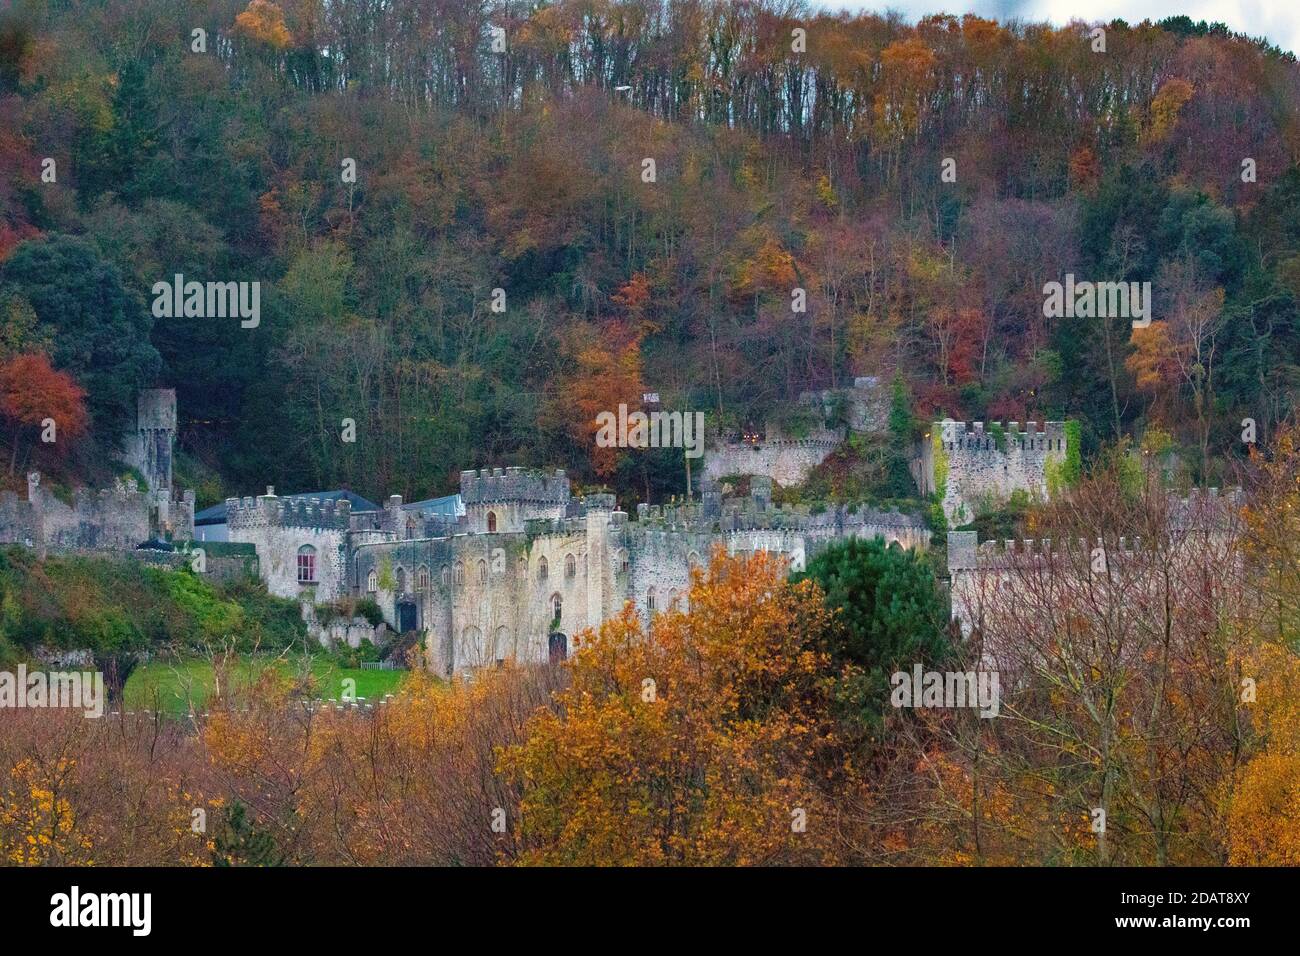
(173, 686)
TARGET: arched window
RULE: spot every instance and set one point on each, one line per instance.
(401, 580)
(502, 644)
(541, 569)
(523, 569)
(306, 564)
(557, 608)
(650, 599)
(482, 571)
(460, 574)
(622, 562)
(693, 559)
(372, 581)
(446, 575)
(422, 578)
(570, 566)
(492, 521)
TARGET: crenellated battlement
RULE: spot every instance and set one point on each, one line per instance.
(491, 485)
(1001, 437)
(268, 511)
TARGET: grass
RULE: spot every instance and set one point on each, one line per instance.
(173, 687)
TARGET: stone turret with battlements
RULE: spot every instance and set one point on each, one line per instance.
(503, 499)
(978, 466)
(302, 543)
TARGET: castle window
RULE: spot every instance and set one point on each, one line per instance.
(492, 521)
(372, 581)
(622, 562)
(482, 571)
(401, 580)
(460, 574)
(523, 569)
(306, 564)
(557, 607)
(541, 569)
(446, 575)
(650, 600)
(570, 566)
(693, 559)
(422, 578)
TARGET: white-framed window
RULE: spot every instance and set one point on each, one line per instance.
(306, 564)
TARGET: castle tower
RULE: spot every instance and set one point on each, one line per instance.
(148, 444)
(977, 467)
(501, 500)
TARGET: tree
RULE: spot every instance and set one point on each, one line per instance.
(702, 738)
(32, 394)
(888, 615)
(100, 329)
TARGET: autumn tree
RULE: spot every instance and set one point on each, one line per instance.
(702, 737)
(35, 397)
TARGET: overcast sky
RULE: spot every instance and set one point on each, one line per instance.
(1279, 20)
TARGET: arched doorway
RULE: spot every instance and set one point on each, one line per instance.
(557, 647)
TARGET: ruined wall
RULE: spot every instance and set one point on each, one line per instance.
(116, 518)
(785, 461)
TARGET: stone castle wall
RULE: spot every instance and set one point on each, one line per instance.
(785, 461)
(110, 519)
(986, 464)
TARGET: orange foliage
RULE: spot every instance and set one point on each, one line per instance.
(263, 21)
(701, 739)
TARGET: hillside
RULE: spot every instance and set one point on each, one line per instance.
(224, 157)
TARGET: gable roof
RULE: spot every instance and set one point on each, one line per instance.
(217, 513)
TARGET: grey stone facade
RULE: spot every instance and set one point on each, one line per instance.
(527, 566)
(985, 465)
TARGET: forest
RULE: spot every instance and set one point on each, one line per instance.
(499, 266)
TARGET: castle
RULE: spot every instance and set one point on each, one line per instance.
(526, 565)
(515, 565)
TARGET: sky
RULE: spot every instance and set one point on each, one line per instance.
(1278, 20)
